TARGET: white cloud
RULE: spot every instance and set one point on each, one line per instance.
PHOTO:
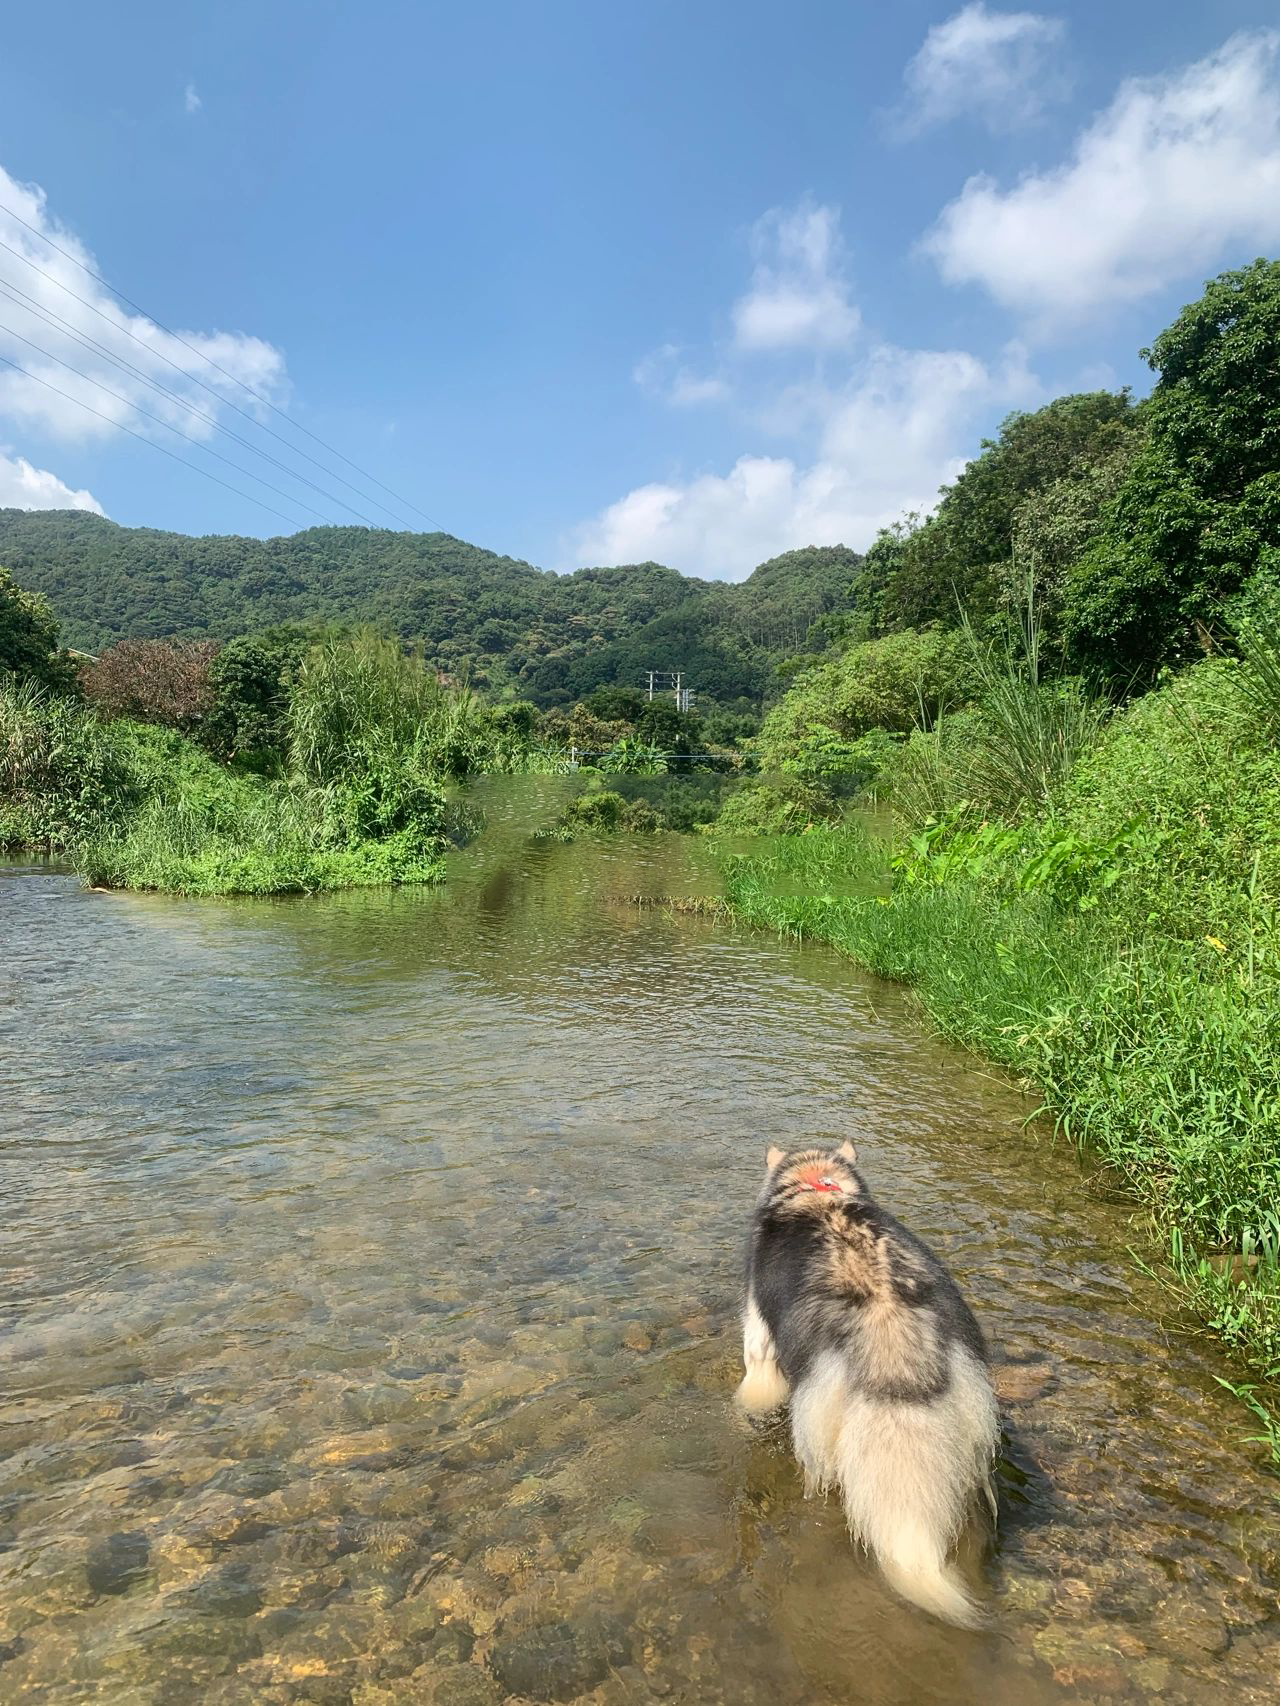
(36, 310)
(190, 99)
(881, 429)
(797, 297)
(662, 374)
(1176, 172)
(25, 487)
(888, 440)
(992, 66)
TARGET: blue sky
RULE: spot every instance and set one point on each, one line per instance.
(592, 283)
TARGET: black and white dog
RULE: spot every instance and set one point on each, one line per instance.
(856, 1321)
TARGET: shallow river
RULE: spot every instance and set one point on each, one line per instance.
(369, 1326)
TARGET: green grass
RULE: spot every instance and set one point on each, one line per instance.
(1157, 1055)
(253, 838)
(134, 806)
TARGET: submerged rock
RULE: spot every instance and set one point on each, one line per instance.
(432, 1685)
(116, 1564)
(558, 1661)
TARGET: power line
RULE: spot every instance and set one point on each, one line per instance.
(266, 401)
(195, 378)
(50, 318)
(167, 425)
(142, 437)
(138, 309)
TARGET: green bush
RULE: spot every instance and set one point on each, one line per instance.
(138, 806)
(817, 730)
(783, 805)
(244, 836)
(1190, 762)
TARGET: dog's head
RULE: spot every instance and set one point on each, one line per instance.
(812, 1174)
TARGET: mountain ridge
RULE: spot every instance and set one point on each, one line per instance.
(501, 621)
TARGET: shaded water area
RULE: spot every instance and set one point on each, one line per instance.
(369, 1325)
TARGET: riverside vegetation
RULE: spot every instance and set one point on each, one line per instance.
(322, 762)
(1065, 683)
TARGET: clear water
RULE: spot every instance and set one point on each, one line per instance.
(369, 1323)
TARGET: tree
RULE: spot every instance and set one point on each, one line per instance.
(250, 679)
(890, 683)
(660, 724)
(29, 639)
(616, 704)
(156, 681)
(1199, 511)
(922, 572)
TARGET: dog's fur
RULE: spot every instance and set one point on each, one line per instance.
(861, 1325)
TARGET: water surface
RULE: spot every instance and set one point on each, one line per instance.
(369, 1324)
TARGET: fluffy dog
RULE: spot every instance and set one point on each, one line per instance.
(857, 1322)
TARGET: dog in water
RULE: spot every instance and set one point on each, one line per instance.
(857, 1322)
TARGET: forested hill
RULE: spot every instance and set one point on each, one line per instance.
(553, 637)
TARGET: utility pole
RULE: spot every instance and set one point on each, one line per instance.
(674, 683)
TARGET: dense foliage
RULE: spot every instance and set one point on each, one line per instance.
(1002, 514)
(497, 622)
(1198, 513)
(1135, 523)
(29, 637)
(355, 791)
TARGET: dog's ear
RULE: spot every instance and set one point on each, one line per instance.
(772, 1157)
(847, 1150)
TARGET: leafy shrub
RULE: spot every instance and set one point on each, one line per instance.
(889, 684)
(631, 756)
(781, 806)
(250, 678)
(599, 809)
(63, 770)
(29, 639)
(140, 806)
(153, 681)
(1189, 762)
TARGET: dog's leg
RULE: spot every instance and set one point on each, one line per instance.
(818, 1412)
(764, 1385)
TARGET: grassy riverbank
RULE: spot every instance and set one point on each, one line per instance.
(351, 789)
(1117, 950)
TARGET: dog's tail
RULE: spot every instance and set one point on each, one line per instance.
(916, 1572)
(908, 1473)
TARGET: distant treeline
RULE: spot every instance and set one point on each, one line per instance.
(502, 624)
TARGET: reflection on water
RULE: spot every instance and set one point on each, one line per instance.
(369, 1328)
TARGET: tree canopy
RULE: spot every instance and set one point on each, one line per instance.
(1198, 513)
(519, 631)
(29, 636)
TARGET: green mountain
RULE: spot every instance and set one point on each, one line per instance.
(502, 622)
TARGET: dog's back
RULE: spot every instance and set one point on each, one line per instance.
(884, 1362)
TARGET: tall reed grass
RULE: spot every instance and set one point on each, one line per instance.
(1012, 751)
